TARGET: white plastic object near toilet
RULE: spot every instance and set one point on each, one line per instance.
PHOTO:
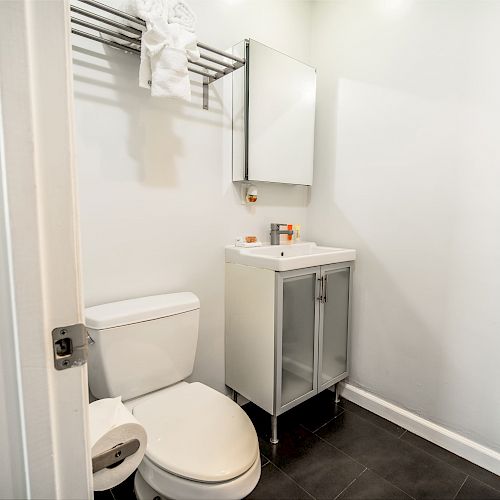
(201, 444)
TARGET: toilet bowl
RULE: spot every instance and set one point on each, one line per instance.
(201, 444)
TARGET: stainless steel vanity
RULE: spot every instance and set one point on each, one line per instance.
(287, 331)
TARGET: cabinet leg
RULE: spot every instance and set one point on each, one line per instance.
(274, 429)
(235, 396)
(337, 393)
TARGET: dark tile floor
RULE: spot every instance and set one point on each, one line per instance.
(343, 451)
(124, 491)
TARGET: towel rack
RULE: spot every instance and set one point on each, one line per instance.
(210, 67)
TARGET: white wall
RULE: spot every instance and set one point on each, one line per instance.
(407, 172)
(157, 201)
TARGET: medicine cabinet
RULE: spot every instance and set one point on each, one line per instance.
(273, 107)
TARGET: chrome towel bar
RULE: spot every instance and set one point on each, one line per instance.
(219, 67)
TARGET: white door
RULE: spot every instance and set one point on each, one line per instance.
(43, 419)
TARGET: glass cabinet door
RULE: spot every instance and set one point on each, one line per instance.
(299, 319)
(335, 324)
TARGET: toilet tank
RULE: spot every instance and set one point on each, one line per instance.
(141, 345)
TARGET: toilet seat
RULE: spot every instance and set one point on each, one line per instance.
(197, 434)
(153, 483)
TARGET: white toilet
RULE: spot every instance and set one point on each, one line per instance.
(201, 445)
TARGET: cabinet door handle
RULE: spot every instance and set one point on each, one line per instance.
(320, 298)
(325, 288)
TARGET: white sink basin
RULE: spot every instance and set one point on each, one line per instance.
(288, 257)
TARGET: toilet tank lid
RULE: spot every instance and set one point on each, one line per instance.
(127, 312)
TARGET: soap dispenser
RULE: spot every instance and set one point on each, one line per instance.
(296, 233)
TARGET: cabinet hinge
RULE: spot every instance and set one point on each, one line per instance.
(70, 346)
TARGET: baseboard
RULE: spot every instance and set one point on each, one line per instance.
(462, 446)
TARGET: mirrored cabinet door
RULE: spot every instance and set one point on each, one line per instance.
(299, 319)
(335, 324)
(274, 101)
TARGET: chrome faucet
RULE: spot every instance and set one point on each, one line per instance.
(275, 233)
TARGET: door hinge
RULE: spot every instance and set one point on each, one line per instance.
(70, 346)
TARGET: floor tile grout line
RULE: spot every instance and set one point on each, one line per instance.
(461, 486)
(418, 448)
(292, 479)
(413, 446)
(351, 458)
(391, 483)
(482, 482)
(450, 465)
(351, 483)
(370, 422)
(341, 451)
(267, 458)
(375, 425)
(322, 425)
(319, 437)
(366, 467)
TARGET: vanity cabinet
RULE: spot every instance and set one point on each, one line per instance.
(286, 332)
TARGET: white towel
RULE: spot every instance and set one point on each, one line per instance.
(166, 45)
(127, 6)
(165, 48)
(175, 11)
(164, 60)
(148, 10)
(179, 12)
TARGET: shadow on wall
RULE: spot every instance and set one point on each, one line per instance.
(155, 147)
(111, 79)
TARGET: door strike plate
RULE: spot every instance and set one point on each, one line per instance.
(70, 346)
